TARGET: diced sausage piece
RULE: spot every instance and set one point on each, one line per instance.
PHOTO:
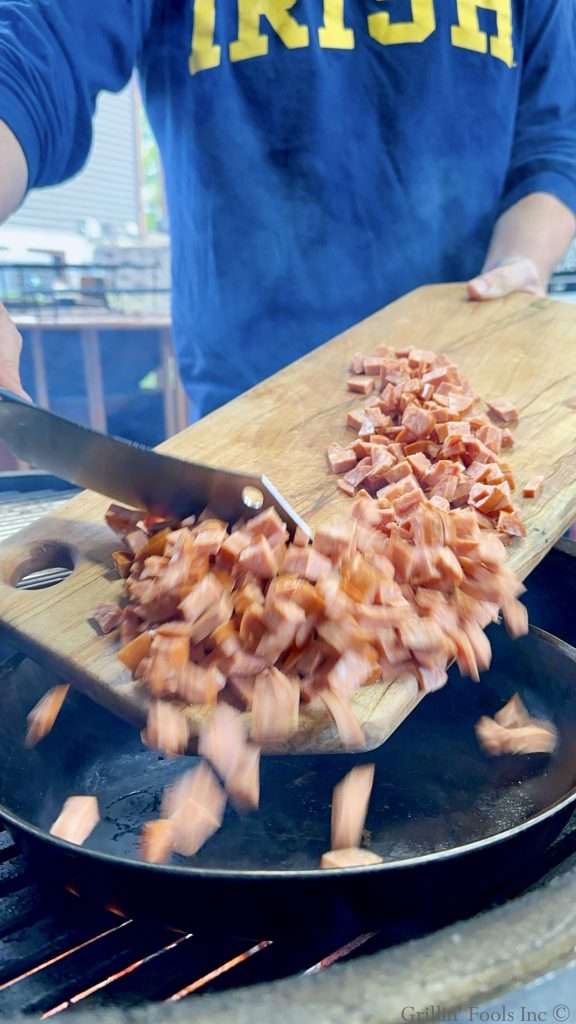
(306, 562)
(77, 819)
(421, 634)
(349, 729)
(135, 650)
(209, 541)
(377, 478)
(349, 807)
(43, 715)
(213, 617)
(441, 469)
(491, 550)
(108, 617)
(281, 614)
(153, 567)
(203, 594)
(503, 410)
(533, 488)
(196, 807)
(400, 471)
(354, 418)
(301, 538)
(341, 460)
(513, 713)
(435, 376)
(515, 617)
(226, 639)
(122, 520)
(156, 544)
(357, 363)
(173, 630)
(511, 524)
(198, 783)
(373, 365)
(222, 740)
(489, 499)
(533, 738)
(445, 487)
(137, 541)
(122, 561)
(241, 690)
(420, 465)
(465, 656)
(245, 665)
(243, 782)
(494, 475)
(359, 473)
(175, 649)
(491, 437)
(275, 707)
(439, 502)
(478, 471)
(265, 524)
(333, 540)
(259, 558)
(249, 593)
(382, 458)
(506, 471)
(362, 449)
(156, 840)
(418, 421)
(354, 858)
(350, 672)
(196, 684)
(361, 385)
(166, 728)
(232, 548)
(447, 564)
(431, 679)
(346, 487)
(480, 644)
(507, 438)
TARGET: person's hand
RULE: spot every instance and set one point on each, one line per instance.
(10, 348)
(514, 275)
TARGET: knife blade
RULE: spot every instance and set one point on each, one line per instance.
(131, 473)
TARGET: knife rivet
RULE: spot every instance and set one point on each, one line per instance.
(252, 498)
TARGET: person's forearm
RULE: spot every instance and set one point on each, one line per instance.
(13, 172)
(538, 228)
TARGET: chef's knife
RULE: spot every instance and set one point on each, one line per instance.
(130, 473)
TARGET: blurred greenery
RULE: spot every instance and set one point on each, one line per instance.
(152, 179)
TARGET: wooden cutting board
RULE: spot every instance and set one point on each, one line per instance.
(520, 348)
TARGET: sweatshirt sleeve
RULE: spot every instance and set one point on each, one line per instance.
(544, 152)
(55, 57)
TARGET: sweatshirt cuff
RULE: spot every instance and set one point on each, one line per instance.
(552, 181)
(16, 116)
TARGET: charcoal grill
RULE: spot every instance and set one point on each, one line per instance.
(61, 952)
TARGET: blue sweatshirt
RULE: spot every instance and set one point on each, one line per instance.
(322, 157)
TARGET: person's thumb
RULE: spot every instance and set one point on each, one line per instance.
(519, 275)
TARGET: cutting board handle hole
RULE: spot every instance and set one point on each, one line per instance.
(44, 565)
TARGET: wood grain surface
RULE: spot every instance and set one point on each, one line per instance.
(520, 348)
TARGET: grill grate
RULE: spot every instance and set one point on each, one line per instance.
(17, 512)
(56, 952)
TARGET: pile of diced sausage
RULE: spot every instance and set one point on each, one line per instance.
(247, 619)
(420, 434)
